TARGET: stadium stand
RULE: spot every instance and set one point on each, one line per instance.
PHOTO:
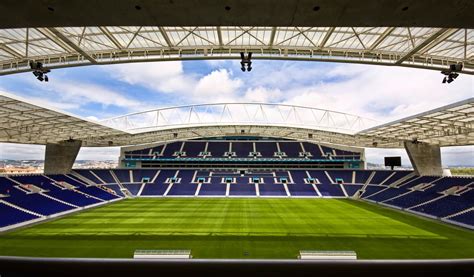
(12, 215)
(159, 187)
(465, 218)
(214, 188)
(241, 149)
(193, 149)
(185, 187)
(267, 149)
(29, 197)
(39, 196)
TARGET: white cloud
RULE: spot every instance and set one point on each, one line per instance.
(57, 104)
(165, 77)
(15, 151)
(380, 92)
(99, 153)
(386, 93)
(68, 94)
(170, 78)
(218, 86)
(217, 63)
(263, 95)
(93, 118)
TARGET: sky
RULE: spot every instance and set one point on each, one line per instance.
(102, 91)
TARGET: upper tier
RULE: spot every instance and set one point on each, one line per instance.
(240, 151)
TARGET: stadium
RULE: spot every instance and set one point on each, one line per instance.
(237, 186)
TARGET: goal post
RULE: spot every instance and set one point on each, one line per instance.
(162, 254)
(327, 255)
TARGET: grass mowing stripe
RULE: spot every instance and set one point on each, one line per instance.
(226, 228)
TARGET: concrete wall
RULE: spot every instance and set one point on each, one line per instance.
(425, 158)
(60, 157)
(310, 13)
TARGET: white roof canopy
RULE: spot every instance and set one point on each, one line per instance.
(419, 47)
(23, 121)
(449, 125)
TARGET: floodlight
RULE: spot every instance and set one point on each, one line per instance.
(39, 71)
(451, 73)
(246, 61)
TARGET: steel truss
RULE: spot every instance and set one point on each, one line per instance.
(429, 48)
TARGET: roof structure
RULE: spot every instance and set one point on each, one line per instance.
(449, 125)
(57, 47)
(23, 121)
(223, 114)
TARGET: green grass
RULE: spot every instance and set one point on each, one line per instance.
(227, 228)
(462, 171)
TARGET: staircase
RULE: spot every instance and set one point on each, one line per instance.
(400, 195)
(427, 202)
(402, 180)
(119, 183)
(82, 179)
(20, 208)
(459, 213)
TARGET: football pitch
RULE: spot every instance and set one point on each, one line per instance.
(247, 228)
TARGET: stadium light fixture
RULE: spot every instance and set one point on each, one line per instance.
(39, 71)
(451, 74)
(246, 60)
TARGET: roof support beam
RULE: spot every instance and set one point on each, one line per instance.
(60, 39)
(111, 37)
(166, 37)
(27, 41)
(11, 51)
(272, 37)
(79, 50)
(432, 39)
(50, 35)
(302, 32)
(326, 37)
(358, 38)
(219, 36)
(438, 40)
(134, 36)
(381, 38)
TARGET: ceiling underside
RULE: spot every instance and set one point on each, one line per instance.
(25, 122)
(449, 125)
(58, 47)
(358, 13)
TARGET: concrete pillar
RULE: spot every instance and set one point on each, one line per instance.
(425, 158)
(60, 157)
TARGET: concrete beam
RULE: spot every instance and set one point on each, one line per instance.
(60, 157)
(309, 13)
(425, 158)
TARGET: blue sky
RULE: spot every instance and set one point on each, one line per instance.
(378, 92)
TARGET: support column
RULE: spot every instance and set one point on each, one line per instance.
(60, 157)
(425, 158)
